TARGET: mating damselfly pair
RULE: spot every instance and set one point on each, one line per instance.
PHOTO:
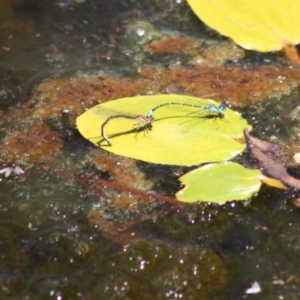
(145, 121)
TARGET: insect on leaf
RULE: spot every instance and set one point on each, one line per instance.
(163, 141)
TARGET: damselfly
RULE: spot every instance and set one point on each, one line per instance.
(144, 123)
(211, 110)
(214, 110)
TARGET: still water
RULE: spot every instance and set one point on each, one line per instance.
(65, 233)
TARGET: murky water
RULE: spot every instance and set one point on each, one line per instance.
(65, 233)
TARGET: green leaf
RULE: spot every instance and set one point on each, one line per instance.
(180, 134)
(219, 183)
(258, 25)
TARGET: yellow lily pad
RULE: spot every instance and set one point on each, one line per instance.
(273, 182)
(257, 25)
(179, 135)
(219, 183)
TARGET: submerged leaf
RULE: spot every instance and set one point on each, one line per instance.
(219, 183)
(180, 134)
(257, 25)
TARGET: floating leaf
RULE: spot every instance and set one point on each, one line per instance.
(219, 182)
(257, 25)
(180, 135)
(273, 182)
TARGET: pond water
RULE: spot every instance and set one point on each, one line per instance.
(78, 222)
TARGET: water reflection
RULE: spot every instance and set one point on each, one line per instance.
(64, 234)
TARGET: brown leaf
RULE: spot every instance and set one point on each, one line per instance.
(269, 158)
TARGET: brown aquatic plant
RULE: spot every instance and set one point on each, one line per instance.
(270, 160)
